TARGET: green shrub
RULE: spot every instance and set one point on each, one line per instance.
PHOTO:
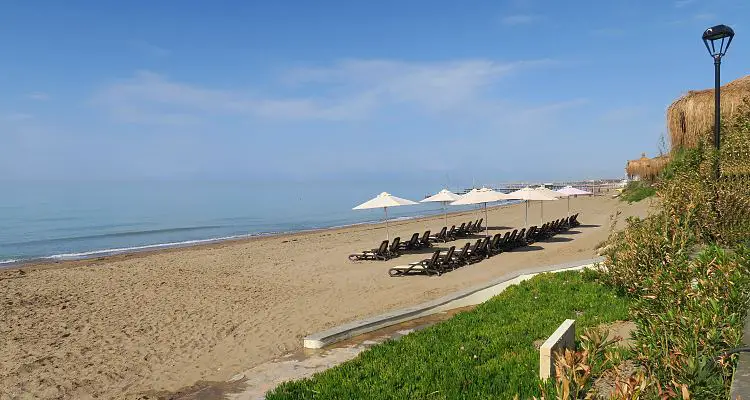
(691, 295)
(690, 312)
(485, 353)
(636, 191)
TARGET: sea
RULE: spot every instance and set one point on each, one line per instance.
(68, 221)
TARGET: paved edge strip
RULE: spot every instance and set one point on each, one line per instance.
(356, 328)
(740, 388)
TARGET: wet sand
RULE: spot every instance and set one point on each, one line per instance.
(120, 326)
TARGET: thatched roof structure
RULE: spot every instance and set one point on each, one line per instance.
(690, 119)
(646, 168)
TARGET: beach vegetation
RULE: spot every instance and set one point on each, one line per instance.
(687, 269)
(636, 191)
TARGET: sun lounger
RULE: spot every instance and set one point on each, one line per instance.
(440, 237)
(424, 241)
(543, 232)
(381, 253)
(552, 228)
(451, 235)
(513, 241)
(394, 249)
(493, 248)
(470, 228)
(520, 239)
(550, 231)
(558, 225)
(412, 244)
(478, 225)
(445, 262)
(461, 230)
(575, 218)
(508, 243)
(503, 241)
(429, 266)
(462, 257)
(481, 251)
(531, 235)
(565, 222)
(473, 250)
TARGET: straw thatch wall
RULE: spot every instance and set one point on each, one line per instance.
(646, 168)
(690, 119)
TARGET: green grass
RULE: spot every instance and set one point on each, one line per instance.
(636, 191)
(485, 353)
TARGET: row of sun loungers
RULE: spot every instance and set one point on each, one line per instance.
(385, 251)
(446, 261)
(454, 233)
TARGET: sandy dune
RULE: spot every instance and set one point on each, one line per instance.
(120, 326)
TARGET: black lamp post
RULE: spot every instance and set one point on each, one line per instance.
(717, 40)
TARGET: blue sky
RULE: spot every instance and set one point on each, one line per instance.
(377, 90)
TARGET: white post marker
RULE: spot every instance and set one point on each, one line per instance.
(563, 338)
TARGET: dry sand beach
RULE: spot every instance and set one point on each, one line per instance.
(121, 326)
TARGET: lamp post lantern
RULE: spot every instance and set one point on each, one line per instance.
(717, 40)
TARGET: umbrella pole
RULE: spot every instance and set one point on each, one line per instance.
(541, 215)
(568, 206)
(445, 212)
(486, 222)
(387, 234)
(527, 213)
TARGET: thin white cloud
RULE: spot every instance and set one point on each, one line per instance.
(519, 19)
(522, 3)
(152, 98)
(149, 49)
(558, 106)
(435, 86)
(609, 32)
(15, 117)
(704, 17)
(683, 3)
(348, 90)
(622, 114)
(39, 96)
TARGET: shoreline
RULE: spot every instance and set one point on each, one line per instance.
(53, 261)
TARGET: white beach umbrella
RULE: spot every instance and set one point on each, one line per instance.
(444, 196)
(384, 200)
(479, 196)
(528, 194)
(551, 193)
(571, 191)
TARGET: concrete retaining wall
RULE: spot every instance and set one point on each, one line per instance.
(464, 298)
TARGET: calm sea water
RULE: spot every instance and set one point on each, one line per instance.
(78, 220)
